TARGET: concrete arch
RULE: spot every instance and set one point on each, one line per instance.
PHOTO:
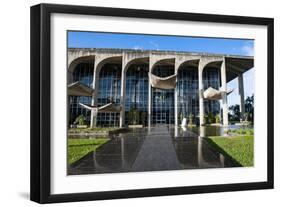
(100, 62)
(194, 61)
(182, 60)
(78, 60)
(167, 61)
(207, 61)
(139, 60)
(214, 64)
(128, 60)
(76, 53)
(73, 64)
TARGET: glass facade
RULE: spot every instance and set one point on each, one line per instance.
(83, 73)
(136, 94)
(163, 99)
(136, 97)
(109, 91)
(187, 90)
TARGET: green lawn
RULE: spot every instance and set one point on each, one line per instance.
(240, 148)
(77, 148)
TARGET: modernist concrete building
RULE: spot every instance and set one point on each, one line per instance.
(105, 85)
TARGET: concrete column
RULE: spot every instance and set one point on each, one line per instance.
(224, 96)
(149, 104)
(176, 99)
(94, 96)
(201, 90)
(149, 95)
(241, 96)
(122, 98)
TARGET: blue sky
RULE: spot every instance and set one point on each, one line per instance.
(175, 43)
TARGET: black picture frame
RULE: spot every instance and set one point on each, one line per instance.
(40, 102)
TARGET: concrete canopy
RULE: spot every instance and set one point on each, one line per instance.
(163, 83)
(236, 65)
(213, 94)
(79, 89)
(108, 108)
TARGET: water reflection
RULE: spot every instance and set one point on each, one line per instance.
(117, 155)
(157, 148)
(194, 152)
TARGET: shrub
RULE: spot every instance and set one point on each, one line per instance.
(80, 120)
(210, 118)
(218, 118)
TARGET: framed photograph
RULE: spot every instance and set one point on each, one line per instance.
(133, 103)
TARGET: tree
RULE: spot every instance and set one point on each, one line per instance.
(249, 108)
(234, 112)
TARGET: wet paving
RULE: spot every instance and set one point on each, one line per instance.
(152, 149)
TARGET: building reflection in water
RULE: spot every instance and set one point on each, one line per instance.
(120, 153)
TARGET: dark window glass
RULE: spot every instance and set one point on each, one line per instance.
(137, 92)
(163, 99)
(109, 92)
(83, 73)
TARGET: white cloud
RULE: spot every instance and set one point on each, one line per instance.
(248, 49)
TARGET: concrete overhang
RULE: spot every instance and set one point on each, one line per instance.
(79, 89)
(107, 108)
(163, 83)
(110, 108)
(237, 65)
(214, 94)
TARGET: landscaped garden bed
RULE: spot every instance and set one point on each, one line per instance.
(95, 131)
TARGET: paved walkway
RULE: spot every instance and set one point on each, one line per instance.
(157, 152)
